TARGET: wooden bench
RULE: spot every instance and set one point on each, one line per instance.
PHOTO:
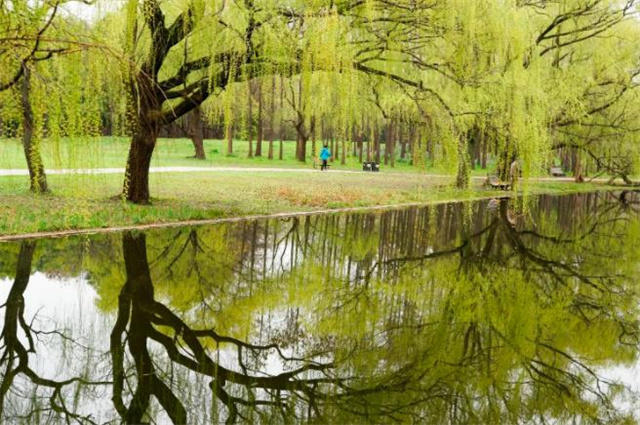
(557, 172)
(371, 166)
(495, 183)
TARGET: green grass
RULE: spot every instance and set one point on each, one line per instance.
(107, 152)
(85, 201)
(100, 152)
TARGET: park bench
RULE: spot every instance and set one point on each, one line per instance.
(557, 172)
(495, 183)
(370, 166)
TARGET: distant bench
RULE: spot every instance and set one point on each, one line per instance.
(557, 172)
(370, 166)
(495, 183)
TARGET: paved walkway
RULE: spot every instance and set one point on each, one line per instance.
(215, 169)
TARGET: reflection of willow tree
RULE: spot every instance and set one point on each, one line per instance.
(475, 315)
(449, 314)
(144, 319)
(514, 320)
(15, 363)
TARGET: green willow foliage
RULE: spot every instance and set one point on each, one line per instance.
(527, 78)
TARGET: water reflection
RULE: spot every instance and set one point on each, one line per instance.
(462, 313)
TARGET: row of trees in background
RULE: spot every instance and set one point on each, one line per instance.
(449, 81)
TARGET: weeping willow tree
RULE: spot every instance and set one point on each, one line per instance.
(23, 27)
(48, 83)
(504, 73)
(180, 53)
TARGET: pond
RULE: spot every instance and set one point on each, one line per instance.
(465, 313)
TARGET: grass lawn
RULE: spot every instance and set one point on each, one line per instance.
(101, 152)
(88, 201)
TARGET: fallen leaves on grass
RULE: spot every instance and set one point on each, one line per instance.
(319, 196)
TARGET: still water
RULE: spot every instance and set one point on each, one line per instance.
(467, 313)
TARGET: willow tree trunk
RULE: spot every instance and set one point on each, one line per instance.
(136, 185)
(464, 170)
(37, 176)
(196, 132)
(229, 134)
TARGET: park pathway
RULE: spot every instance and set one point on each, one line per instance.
(216, 169)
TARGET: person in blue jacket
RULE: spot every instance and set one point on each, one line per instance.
(325, 154)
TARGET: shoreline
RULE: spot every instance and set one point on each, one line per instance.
(283, 215)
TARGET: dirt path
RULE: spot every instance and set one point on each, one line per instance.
(215, 169)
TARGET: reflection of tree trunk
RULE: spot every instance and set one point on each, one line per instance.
(149, 320)
(136, 304)
(13, 318)
(37, 176)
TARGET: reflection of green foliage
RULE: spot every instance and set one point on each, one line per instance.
(430, 315)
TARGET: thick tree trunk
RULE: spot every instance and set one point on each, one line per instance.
(196, 132)
(37, 176)
(136, 185)
(302, 148)
(464, 173)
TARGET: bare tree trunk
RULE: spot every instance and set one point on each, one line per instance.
(369, 140)
(250, 119)
(577, 167)
(272, 112)
(403, 143)
(392, 145)
(343, 157)
(37, 176)
(464, 173)
(229, 134)
(196, 132)
(376, 144)
(483, 160)
(258, 151)
(314, 151)
(387, 143)
(337, 146)
(281, 148)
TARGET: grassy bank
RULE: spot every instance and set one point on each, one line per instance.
(86, 201)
